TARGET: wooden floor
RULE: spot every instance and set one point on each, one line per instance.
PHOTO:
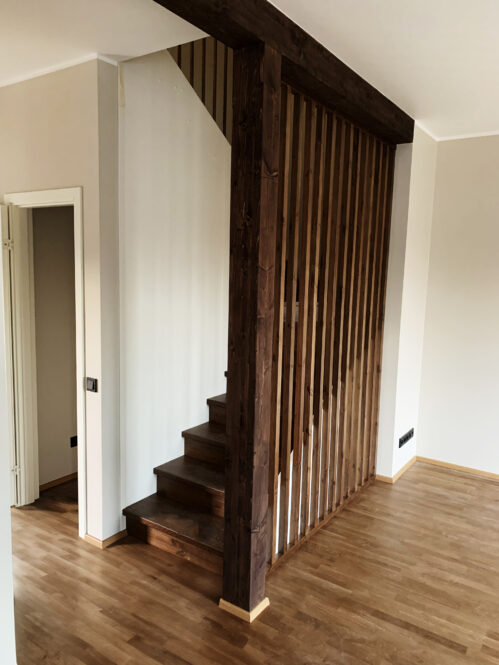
(406, 575)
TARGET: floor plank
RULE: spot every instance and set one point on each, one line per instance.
(408, 574)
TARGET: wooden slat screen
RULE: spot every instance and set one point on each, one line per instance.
(208, 64)
(332, 252)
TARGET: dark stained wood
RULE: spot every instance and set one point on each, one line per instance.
(307, 65)
(303, 295)
(360, 355)
(342, 316)
(254, 209)
(163, 514)
(311, 461)
(370, 336)
(206, 442)
(334, 202)
(207, 65)
(355, 286)
(323, 346)
(406, 574)
(387, 214)
(340, 170)
(296, 117)
(193, 483)
(279, 316)
(217, 407)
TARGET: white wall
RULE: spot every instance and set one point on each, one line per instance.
(406, 301)
(60, 130)
(7, 634)
(54, 269)
(174, 253)
(459, 414)
(393, 308)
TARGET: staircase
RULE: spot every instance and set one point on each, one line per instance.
(185, 515)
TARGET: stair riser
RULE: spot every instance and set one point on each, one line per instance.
(182, 550)
(218, 414)
(204, 451)
(194, 496)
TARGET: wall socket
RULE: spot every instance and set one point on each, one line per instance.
(406, 437)
(74, 441)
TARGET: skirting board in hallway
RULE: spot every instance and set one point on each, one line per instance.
(445, 465)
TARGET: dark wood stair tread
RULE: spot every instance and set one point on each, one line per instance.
(219, 400)
(210, 433)
(180, 521)
(194, 472)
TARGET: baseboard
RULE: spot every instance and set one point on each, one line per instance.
(102, 544)
(392, 481)
(58, 481)
(244, 614)
(456, 467)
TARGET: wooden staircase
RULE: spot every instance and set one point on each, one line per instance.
(185, 516)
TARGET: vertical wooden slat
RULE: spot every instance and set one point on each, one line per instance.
(229, 93)
(341, 170)
(331, 263)
(192, 60)
(320, 443)
(279, 290)
(296, 117)
(370, 416)
(324, 397)
(370, 331)
(386, 219)
(301, 328)
(370, 237)
(310, 487)
(345, 314)
(203, 71)
(357, 287)
(215, 79)
(349, 323)
(225, 84)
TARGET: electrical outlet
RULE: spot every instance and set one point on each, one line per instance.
(73, 441)
(406, 437)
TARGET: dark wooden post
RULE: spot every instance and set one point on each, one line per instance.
(255, 163)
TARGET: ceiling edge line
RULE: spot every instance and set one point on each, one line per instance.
(55, 68)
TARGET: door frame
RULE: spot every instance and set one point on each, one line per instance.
(71, 196)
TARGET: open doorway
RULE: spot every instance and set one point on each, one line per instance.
(43, 294)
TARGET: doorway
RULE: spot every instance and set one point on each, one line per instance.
(43, 294)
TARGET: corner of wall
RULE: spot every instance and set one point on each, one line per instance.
(389, 372)
(410, 244)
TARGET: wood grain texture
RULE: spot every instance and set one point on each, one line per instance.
(407, 573)
(331, 259)
(208, 66)
(307, 65)
(253, 225)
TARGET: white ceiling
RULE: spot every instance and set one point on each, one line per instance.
(437, 59)
(39, 35)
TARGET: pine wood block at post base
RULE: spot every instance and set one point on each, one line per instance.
(244, 614)
(102, 544)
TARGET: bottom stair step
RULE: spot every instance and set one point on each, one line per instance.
(177, 529)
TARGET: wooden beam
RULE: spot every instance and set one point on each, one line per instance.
(254, 203)
(306, 64)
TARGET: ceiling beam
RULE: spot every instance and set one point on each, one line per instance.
(306, 64)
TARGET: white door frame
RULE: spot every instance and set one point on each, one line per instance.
(49, 198)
